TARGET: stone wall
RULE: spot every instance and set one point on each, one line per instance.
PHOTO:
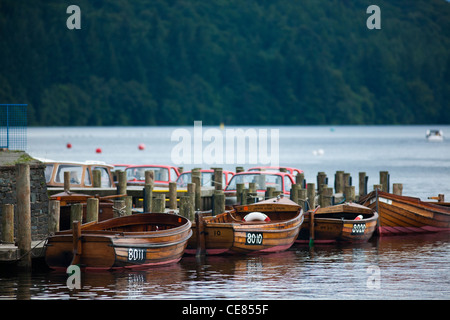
(38, 193)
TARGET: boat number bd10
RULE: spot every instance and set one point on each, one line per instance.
(253, 238)
(358, 228)
(137, 254)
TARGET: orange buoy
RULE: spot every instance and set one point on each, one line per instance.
(141, 146)
(98, 150)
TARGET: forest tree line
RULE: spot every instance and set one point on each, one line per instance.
(238, 62)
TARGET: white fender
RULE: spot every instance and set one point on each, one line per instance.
(256, 216)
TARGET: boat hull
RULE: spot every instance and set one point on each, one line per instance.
(400, 215)
(109, 249)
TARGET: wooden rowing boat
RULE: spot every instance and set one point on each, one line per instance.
(134, 241)
(405, 215)
(231, 232)
(348, 222)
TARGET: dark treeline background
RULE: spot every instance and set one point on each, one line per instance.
(241, 62)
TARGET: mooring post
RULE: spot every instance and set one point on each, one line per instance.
(294, 193)
(118, 208)
(239, 189)
(311, 226)
(397, 188)
(384, 181)
(187, 207)
(300, 179)
(321, 180)
(96, 178)
(240, 169)
(362, 184)
(149, 175)
(302, 199)
(339, 182)
(269, 192)
(76, 213)
(349, 193)
(325, 198)
(173, 195)
(219, 202)
(200, 230)
(311, 191)
(122, 184)
(76, 240)
(148, 197)
(23, 214)
(218, 178)
(92, 208)
(159, 203)
(8, 223)
(54, 207)
(66, 181)
(196, 178)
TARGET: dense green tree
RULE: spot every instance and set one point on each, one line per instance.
(170, 62)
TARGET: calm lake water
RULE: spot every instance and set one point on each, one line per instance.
(412, 267)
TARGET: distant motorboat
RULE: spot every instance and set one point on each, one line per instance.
(435, 135)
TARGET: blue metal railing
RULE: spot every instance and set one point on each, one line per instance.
(13, 126)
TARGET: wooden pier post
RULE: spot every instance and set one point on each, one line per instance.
(294, 193)
(149, 175)
(339, 182)
(240, 169)
(377, 186)
(200, 230)
(311, 191)
(173, 195)
(197, 179)
(269, 192)
(7, 223)
(218, 178)
(347, 179)
(92, 208)
(66, 181)
(325, 198)
(76, 240)
(23, 214)
(76, 213)
(53, 215)
(187, 207)
(239, 190)
(384, 181)
(148, 197)
(159, 203)
(118, 208)
(96, 178)
(349, 193)
(302, 197)
(122, 182)
(128, 205)
(321, 181)
(397, 188)
(300, 179)
(362, 184)
(219, 202)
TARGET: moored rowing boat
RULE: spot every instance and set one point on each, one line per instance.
(405, 215)
(264, 227)
(135, 241)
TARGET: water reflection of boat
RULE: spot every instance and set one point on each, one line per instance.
(134, 241)
(402, 215)
(435, 135)
(275, 229)
(349, 222)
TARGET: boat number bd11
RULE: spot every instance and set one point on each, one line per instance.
(137, 254)
(358, 228)
(253, 238)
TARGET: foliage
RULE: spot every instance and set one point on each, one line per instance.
(280, 62)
